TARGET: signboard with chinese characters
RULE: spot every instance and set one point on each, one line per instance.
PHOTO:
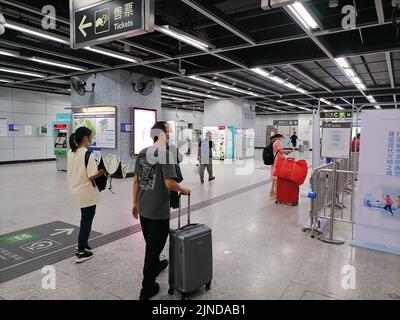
(377, 204)
(336, 140)
(286, 123)
(337, 115)
(22, 245)
(106, 21)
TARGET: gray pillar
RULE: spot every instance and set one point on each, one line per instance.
(236, 112)
(115, 88)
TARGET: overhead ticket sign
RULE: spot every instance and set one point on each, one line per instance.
(106, 21)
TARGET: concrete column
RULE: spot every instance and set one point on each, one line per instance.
(236, 112)
(115, 88)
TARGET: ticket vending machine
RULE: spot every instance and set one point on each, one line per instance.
(61, 136)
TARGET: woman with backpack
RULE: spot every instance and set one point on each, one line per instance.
(278, 151)
(80, 178)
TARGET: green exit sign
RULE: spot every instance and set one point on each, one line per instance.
(20, 237)
(337, 115)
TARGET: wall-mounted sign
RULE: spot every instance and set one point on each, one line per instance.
(126, 127)
(108, 20)
(283, 123)
(337, 115)
(336, 140)
(12, 127)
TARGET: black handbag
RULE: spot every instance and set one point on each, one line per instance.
(174, 199)
(100, 182)
(174, 195)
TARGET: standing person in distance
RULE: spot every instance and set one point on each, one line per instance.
(293, 140)
(80, 180)
(154, 178)
(205, 156)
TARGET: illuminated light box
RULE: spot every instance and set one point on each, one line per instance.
(143, 120)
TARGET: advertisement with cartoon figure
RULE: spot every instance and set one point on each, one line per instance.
(377, 199)
(384, 201)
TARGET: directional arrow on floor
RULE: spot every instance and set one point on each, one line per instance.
(83, 26)
(68, 231)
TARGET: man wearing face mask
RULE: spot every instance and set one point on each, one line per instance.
(155, 175)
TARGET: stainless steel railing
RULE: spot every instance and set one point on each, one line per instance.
(331, 183)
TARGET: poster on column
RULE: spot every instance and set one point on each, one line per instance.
(377, 207)
(103, 127)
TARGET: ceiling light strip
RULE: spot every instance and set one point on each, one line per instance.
(225, 86)
(185, 37)
(22, 72)
(190, 92)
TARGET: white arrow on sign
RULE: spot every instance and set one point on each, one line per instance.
(68, 231)
(83, 26)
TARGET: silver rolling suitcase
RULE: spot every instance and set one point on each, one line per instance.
(190, 257)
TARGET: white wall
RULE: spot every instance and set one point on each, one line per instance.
(29, 108)
(304, 128)
(197, 118)
(262, 121)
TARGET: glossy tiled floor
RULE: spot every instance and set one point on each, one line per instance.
(260, 251)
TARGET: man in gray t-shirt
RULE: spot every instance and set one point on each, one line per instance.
(153, 199)
(154, 178)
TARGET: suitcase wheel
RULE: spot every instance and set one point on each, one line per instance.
(171, 291)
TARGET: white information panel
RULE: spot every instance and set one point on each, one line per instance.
(377, 206)
(3, 127)
(102, 126)
(143, 121)
(336, 140)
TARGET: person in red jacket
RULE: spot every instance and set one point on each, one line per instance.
(389, 203)
(355, 144)
(279, 151)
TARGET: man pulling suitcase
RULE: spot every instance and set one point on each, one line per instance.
(154, 177)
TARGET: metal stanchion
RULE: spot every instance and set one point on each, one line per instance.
(330, 238)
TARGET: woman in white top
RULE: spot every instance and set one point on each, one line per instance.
(80, 181)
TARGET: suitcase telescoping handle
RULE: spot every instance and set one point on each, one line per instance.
(179, 211)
